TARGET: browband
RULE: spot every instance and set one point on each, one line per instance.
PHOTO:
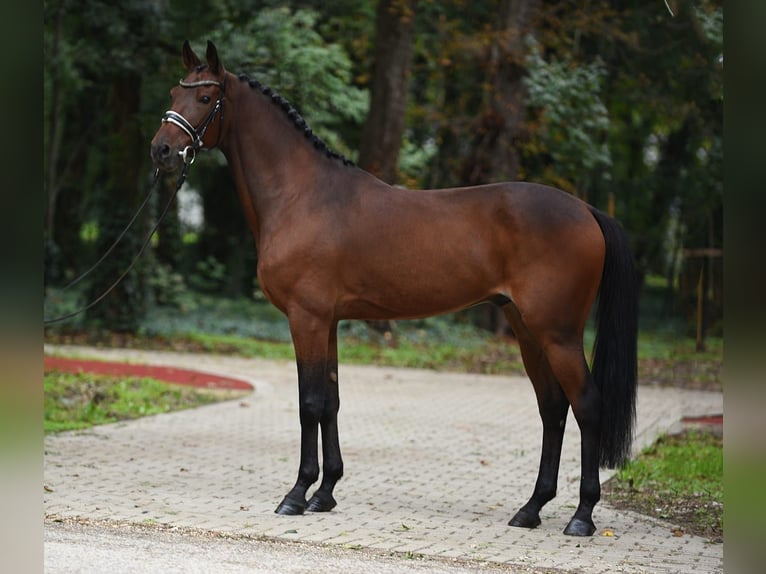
(199, 83)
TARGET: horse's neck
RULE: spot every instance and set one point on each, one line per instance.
(271, 161)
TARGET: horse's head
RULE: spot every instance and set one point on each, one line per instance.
(195, 118)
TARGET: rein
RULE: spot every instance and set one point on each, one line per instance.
(146, 243)
(188, 155)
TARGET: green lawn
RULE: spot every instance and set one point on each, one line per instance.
(77, 401)
(678, 479)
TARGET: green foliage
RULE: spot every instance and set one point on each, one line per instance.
(574, 119)
(624, 100)
(678, 479)
(414, 160)
(168, 287)
(257, 329)
(209, 275)
(218, 316)
(59, 302)
(76, 401)
(241, 326)
(124, 306)
(711, 20)
(284, 49)
(673, 467)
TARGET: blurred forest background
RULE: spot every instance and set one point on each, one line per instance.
(616, 101)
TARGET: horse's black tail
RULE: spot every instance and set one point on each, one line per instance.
(615, 363)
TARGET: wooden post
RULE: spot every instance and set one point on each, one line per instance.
(700, 309)
(706, 254)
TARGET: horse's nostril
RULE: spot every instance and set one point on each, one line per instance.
(160, 152)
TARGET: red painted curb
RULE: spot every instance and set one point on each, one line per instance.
(705, 420)
(167, 374)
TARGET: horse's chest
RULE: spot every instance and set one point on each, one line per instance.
(280, 272)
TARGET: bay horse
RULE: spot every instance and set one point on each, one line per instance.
(335, 243)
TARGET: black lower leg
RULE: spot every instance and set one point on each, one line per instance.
(587, 412)
(332, 463)
(311, 405)
(332, 470)
(554, 421)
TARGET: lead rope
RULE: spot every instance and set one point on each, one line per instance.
(148, 240)
(84, 274)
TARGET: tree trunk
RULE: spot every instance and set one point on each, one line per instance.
(384, 128)
(494, 157)
(54, 133)
(122, 309)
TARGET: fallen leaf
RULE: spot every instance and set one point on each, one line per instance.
(607, 532)
(678, 532)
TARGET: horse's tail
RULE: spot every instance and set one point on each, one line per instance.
(615, 363)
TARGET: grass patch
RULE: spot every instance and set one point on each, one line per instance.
(678, 479)
(489, 357)
(673, 360)
(78, 401)
(254, 328)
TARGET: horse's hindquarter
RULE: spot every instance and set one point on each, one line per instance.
(407, 253)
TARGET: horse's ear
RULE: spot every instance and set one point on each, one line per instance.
(213, 61)
(191, 61)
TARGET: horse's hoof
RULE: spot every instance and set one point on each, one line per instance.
(321, 503)
(523, 519)
(290, 507)
(579, 527)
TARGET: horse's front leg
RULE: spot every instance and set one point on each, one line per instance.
(332, 462)
(311, 339)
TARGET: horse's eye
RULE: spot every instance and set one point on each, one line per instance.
(205, 99)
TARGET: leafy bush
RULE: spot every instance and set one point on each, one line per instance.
(283, 49)
(169, 288)
(218, 316)
(574, 118)
(209, 276)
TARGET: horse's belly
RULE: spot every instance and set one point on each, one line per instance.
(412, 295)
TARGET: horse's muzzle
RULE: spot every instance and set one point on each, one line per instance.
(164, 157)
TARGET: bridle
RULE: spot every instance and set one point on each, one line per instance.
(189, 153)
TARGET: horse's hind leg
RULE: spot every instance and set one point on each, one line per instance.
(553, 406)
(568, 365)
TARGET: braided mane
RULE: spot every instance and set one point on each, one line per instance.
(295, 118)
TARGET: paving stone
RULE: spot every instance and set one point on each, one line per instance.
(435, 464)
